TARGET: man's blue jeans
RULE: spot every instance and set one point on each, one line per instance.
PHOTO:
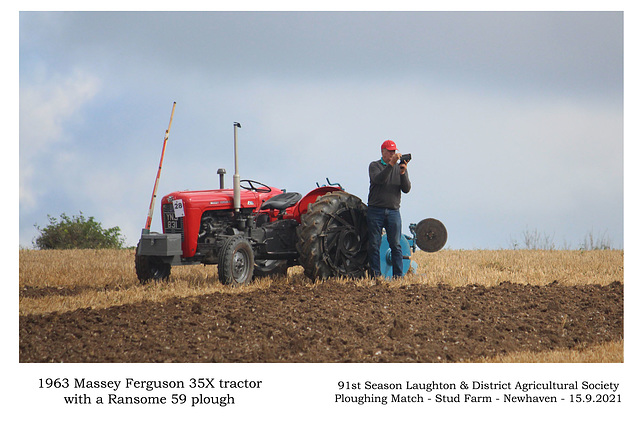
(389, 219)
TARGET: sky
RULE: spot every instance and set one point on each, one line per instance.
(514, 119)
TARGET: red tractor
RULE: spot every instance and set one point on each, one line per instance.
(256, 230)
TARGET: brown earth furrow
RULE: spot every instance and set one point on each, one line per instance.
(333, 322)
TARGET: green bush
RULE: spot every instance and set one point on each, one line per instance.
(77, 232)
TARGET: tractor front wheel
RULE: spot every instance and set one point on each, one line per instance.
(332, 238)
(235, 264)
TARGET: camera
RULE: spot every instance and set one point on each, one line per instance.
(405, 158)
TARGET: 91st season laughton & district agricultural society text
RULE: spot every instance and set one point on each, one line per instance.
(477, 392)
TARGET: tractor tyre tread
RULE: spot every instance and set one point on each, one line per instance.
(312, 236)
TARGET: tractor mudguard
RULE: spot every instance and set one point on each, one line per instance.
(303, 205)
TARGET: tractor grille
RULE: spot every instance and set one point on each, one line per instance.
(172, 225)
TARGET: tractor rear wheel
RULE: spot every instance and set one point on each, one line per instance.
(151, 268)
(235, 262)
(332, 237)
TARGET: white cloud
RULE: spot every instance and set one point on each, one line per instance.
(46, 106)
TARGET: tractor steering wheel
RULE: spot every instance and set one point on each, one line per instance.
(256, 186)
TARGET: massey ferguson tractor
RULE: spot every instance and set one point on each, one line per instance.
(255, 230)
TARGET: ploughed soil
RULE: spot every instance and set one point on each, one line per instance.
(333, 322)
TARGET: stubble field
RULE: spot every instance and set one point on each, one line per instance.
(461, 306)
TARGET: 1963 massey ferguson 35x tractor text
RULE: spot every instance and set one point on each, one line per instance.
(254, 230)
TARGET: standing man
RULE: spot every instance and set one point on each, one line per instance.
(387, 179)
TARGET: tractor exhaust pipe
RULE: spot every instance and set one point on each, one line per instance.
(222, 172)
(236, 175)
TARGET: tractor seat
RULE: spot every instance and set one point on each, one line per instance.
(282, 201)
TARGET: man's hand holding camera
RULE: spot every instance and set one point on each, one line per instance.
(404, 161)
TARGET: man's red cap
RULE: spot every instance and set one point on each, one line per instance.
(389, 145)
